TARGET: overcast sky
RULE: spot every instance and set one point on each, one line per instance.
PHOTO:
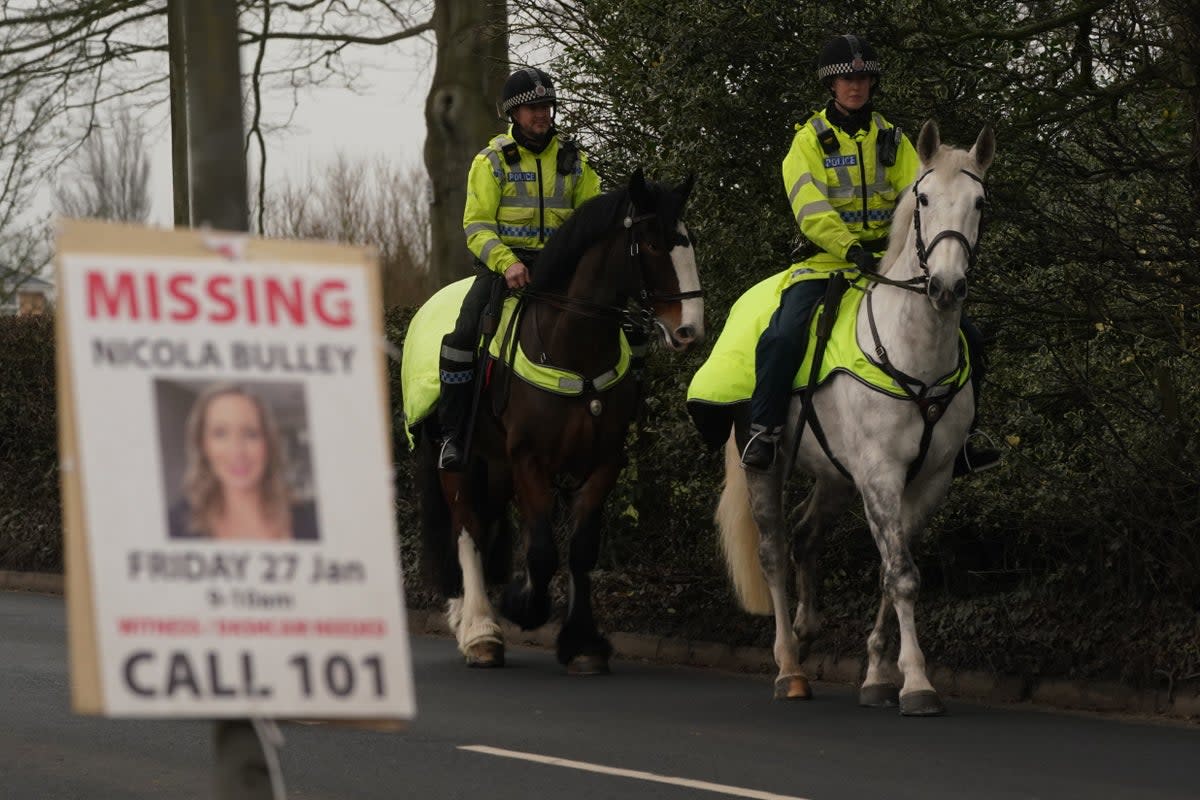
(386, 118)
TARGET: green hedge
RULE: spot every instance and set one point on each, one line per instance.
(1060, 563)
(30, 512)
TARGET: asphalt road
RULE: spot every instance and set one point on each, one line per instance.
(644, 732)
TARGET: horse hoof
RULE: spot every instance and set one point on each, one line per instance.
(588, 665)
(485, 655)
(924, 703)
(792, 687)
(879, 695)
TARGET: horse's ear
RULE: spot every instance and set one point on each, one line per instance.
(638, 192)
(928, 142)
(684, 189)
(985, 148)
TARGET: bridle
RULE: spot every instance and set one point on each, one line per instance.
(923, 251)
(635, 251)
(920, 283)
(642, 314)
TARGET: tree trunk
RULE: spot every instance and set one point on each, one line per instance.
(214, 116)
(460, 115)
(181, 191)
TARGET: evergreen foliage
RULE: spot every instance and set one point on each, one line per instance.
(1080, 556)
(1087, 281)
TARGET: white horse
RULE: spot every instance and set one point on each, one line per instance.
(898, 453)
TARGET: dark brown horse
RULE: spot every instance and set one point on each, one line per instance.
(623, 257)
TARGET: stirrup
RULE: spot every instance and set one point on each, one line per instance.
(450, 457)
(971, 461)
(759, 452)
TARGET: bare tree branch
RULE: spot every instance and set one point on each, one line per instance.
(111, 180)
(365, 203)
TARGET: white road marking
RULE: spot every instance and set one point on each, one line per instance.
(733, 791)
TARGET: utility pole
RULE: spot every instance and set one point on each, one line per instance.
(203, 46)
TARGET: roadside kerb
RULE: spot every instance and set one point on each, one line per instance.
(1058, 693)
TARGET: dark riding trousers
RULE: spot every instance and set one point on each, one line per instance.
(780, 350)
(782, 345)
(465, 335)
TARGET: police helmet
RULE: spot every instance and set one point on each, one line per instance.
(843, 56)
(527, 86)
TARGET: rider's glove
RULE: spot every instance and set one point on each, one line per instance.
(860, 258)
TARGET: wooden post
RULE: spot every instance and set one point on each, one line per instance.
(217, 196)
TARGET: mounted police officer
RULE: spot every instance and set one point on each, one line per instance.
(520, 189)
(844, 176)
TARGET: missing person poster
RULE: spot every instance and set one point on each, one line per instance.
(226, 459)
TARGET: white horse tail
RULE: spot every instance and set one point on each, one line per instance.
(739, 537)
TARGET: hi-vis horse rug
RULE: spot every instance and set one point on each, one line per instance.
(726, 379)
(419, 365)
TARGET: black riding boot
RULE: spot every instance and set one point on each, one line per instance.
(972, 458)
(777, 356)
(454, 408)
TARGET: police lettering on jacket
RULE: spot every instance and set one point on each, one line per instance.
(840, 192)
(520, 199)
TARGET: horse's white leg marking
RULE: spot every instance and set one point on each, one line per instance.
(476, 623)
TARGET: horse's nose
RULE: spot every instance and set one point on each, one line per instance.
(688, 334)
(944, 296)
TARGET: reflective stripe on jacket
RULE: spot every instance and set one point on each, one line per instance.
(845, 197)
(520, 204)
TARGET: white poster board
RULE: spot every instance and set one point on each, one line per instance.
(226, 459)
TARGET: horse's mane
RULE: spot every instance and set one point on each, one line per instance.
(901, 224)
(946, 158)
(590, 222)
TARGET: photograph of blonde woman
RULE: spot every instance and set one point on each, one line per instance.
(235, 466)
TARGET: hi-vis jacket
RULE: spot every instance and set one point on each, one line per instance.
(520, 202)
(840, 193)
